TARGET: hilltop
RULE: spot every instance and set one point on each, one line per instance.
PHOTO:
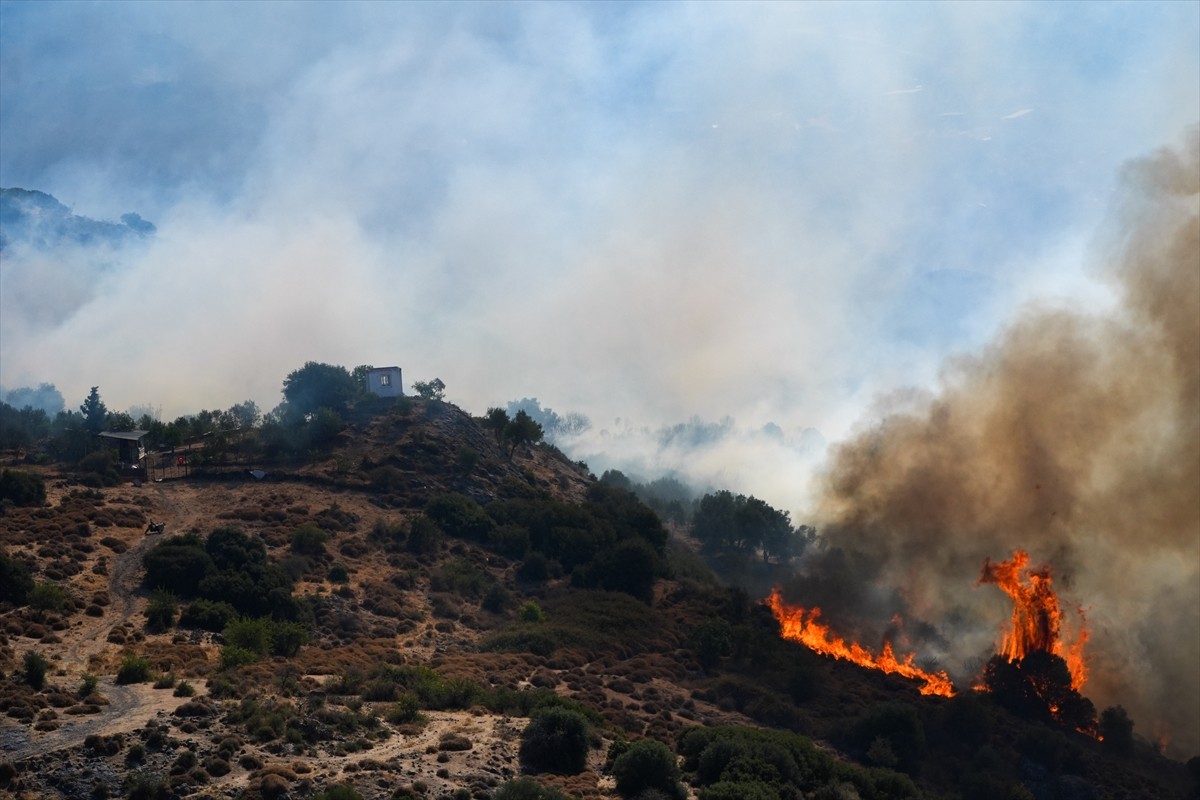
(410, 605)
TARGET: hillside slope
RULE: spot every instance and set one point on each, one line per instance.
(417, 595)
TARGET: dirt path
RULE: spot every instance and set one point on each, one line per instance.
(129, 708)
(85, 646)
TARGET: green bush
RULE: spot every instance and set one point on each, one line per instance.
(648, 764)
(531, 612)
(309, 540)
(509, 540)
(22, 488)
(711, 640)
(534, 569)
(405, 711)
(461, 577)
(497, 599)
(743, 790)
(134, 669)
(47, 596)
(527, 789)
(424, 536)
(892, 728)
(287, 638)
(88, 684)
(339, 574)
(631, 567)
(145, 786)
(338, 792)
(459, 516)
(207, 615)
(15, 580)
(249, 634)
(555, 740)
(177, 564)
(160, 611)
(35, 667)
(98, 469)
(233, 657)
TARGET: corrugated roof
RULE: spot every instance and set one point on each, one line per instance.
(131, 436)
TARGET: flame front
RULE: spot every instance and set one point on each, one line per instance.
(1036, 619)
(799, 625)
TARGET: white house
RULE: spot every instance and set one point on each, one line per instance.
(385, 381)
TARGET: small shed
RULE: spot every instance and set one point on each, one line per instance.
(131, 453)
(385, 381)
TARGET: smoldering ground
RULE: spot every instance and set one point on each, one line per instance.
(1073, 436)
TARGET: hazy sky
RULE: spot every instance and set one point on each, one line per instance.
(640, 212)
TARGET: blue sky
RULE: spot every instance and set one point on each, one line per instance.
(772, 212)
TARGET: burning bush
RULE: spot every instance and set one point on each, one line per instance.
(1038, 686)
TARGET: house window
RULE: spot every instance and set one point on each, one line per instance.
(385, 380)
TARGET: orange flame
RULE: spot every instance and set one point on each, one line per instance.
(1037, 619)
(799, 625)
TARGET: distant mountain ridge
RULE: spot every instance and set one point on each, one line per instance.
(38, 219)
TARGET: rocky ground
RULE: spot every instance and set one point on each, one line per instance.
(58, 743)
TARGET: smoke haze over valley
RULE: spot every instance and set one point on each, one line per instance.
(922, 274)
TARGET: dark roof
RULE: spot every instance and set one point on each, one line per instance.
(381, 369)
(130, 436)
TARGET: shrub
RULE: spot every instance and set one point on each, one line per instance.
(339, 574)
(496, 599)
(145, 786)
(1116, 730)
(48, 597)
(134, 669)
(208, 615)
(99, 469)
(631, 567)
(309, 540)
(745, 790)
(534, 569)
(462, 577)
(648, 764)
(177, 564)
(467, 459)
(184, 689)
(555, 740)
(509, 540)
(287, 638)
(249, 634)
(527, 789)
(35, 665)
(233, 656)
(405, 711)
(892, 731)
(160, 611)
(88, 684)
(460, 516)
(531, 612)
(338, 792)
(711, 640)
(22, 488)
(424, 536)
(15, 580)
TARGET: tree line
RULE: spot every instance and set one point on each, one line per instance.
(316, 398)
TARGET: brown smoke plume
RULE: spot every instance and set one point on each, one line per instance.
(1075, 437)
